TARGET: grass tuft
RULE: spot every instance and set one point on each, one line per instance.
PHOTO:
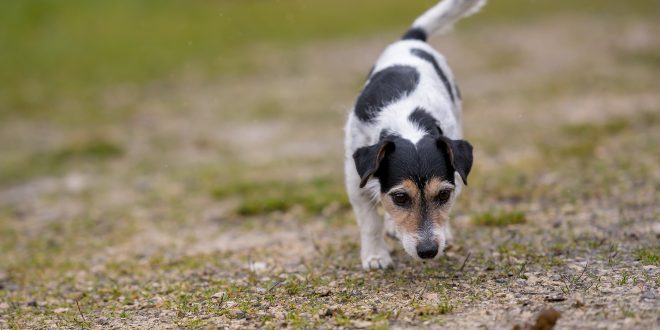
(499, 219)
(648, 256)
(312, 196)
(53, 162)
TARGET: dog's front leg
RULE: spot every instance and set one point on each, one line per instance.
(373, 250)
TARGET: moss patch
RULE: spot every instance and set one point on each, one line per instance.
(499, 218)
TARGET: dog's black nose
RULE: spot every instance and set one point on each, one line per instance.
(427, 249)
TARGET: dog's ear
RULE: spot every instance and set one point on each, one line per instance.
(368, 159)
(460, 155)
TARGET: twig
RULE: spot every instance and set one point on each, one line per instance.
(465, 261)
(522, 267)
(421, 292)
(222, 299)
(274, 286)
(316, 245)
(565, 281)
(583, 271)
(80, 311)
(534, 293)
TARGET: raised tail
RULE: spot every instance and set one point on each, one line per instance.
(441, 17)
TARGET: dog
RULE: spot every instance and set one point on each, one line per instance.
(403, 144)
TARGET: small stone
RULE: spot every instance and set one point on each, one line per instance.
(238, 314)
(4, 306)
(32, 303)
(649, 294)
(656, 228)
(158, 301)
(60, 310)
(361, 324)
(554, 298)
(261, 290)
(322, 291)
(432, 297)
(330, 311)
(258, 267)
(532, 278)
(579, 302)
(219, 295)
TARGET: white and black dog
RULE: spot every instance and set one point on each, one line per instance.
(404, 146)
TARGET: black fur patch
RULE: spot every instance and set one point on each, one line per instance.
(385, 87)
(429, 58)
(418, 163)
(415, 34)
(424, 120)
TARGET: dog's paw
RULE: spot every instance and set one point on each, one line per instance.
(377, 261)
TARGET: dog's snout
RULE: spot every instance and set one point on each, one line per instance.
(427, 249)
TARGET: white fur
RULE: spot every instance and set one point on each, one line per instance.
(394, 118)
(443, 15)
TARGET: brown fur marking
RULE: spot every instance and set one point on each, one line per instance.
(408, 221)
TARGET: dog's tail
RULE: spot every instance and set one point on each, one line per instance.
(441, 17)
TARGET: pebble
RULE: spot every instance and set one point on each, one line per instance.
(649, 294)
(432, 297)
(361, 324)
(261, 290)
(554, 298)
(579, 302)
(656, 228)
(322, 291)
(219, 295)
(239, 314)
(258, 267)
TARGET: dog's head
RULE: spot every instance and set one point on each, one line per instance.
(417, 185)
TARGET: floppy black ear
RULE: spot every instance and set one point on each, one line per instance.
(368, 159)
(460, 155)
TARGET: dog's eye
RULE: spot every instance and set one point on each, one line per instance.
(443, 196)
(400, 199)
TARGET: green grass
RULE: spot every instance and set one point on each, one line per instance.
(649, 255)
(499, 218)
(54, 51)
(60, 57)
(580, 140)
(265, 197)
(52, 162)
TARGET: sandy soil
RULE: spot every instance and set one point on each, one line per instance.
(564, 115)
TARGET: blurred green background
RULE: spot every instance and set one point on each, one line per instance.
(63, 63)
(53, 52)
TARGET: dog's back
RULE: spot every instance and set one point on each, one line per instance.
(410, 74)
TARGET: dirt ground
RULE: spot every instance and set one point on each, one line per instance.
(220, 204)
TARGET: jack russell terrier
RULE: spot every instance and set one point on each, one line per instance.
(404, 146)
